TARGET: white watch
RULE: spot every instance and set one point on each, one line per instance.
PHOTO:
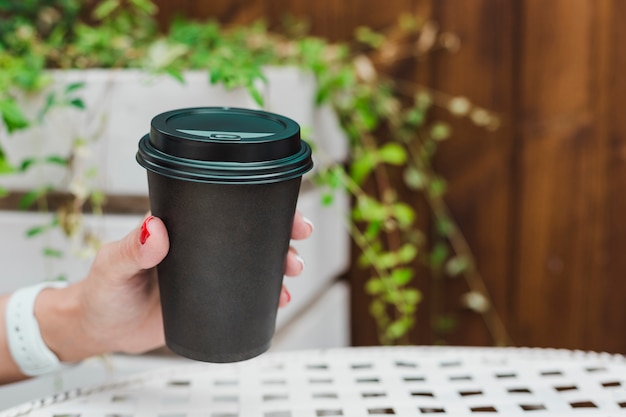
(27, 347)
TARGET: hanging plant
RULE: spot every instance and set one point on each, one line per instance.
(392, 130)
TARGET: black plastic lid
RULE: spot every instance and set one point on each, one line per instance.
(224, 145)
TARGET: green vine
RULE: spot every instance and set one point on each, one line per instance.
(390, 125)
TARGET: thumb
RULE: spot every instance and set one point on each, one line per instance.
(142, 248)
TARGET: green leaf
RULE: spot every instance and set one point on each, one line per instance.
(373, 229)
(78, 103)
(415, 117)
(404, 214)
(367, 36)
(386, 260)
(401, 276)
(146, 6)
(25, 164)
(37, 230)
(377, 308)
(438, 254)
(52, 253)
(74, 86)
(414, 178)
(362, 166)
(3, 192)
(97, 198)
(423, 100)
(51, 100)
(374, 286)
(31, 197)
(444, 226)
(407, 253)
(445, 323)
(5, 165)
(105, 8)
(176, 74)
(457, 265)
(12, 115)
(256, 95)
(440, 131)
(392, 153)
(58, 160)
(327, 199)
(399, 328)
(437, 187)
(369, 209)
(412, 296)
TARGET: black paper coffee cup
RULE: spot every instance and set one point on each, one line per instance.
(225, 182)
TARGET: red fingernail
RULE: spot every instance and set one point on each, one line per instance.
(145, 233)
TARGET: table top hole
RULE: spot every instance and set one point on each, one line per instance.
(451, 364)
(282, 413)
(320, 381)
(562, 388)
(179, 383)
(373, 394)
(484, 409)
(460, 378)
(275, 397)
(361, 366)
(317, 366)
(611, 384)
(594, 369)
(329, 412)
(372, 380)
(432, 410)
(325, 395)
(123, 399)
(414, 379)
(274, 382)
(551, 373)
(470, 393)
(380, 411)
(583, 404)
(506, 375)
(422, 394)
(225, 382)
(402, 364)
(519, 391)
(533, 407)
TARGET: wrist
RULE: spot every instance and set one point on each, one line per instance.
(58, 312)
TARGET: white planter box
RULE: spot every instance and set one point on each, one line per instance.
(119, 107)
(127, 100)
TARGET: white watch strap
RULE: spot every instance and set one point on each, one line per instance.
(27, 347)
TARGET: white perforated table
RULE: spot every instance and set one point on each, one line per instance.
(402, 381)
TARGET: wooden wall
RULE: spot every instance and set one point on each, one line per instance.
(542, 199)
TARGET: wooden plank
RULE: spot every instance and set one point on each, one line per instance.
(476, 163)
(331, 19)
(606, 318)
(559, 169)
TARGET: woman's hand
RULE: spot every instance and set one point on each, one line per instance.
(117, 308)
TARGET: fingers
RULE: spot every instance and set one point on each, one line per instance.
(143, 248)
(295, 264)
(302, 227)
(285, 297)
